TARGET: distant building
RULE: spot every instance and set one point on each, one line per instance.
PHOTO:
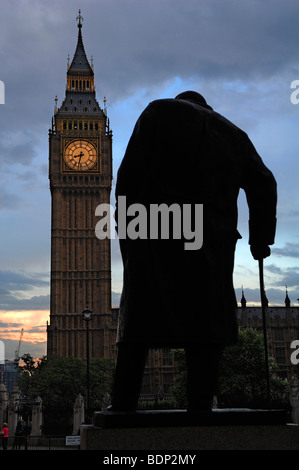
(282, 329)
(9, 374)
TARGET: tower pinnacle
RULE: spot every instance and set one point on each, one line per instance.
(80, 71)
(79, 19)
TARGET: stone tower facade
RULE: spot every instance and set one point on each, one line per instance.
(80, 174)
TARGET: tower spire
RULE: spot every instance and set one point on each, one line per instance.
(243, 300)
(80, 70)
(287, 299)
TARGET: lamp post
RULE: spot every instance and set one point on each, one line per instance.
(87, 317)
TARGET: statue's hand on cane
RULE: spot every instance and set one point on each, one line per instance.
(260, 251)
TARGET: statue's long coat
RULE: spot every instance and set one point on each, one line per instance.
(183, 152)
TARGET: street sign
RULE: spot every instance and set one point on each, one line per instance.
(72, 440)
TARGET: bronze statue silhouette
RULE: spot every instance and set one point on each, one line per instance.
(183, 152)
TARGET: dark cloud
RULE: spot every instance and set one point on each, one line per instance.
(14, 285)
(17, 148)
(273, 269)
(11, 326)
(150, 42)
(139, 44)
(38, 302)
(284, 276)
(19, 280)
(135, 45)
(8, 200)
(290, 278)
(290, 250)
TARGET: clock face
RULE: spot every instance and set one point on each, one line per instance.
(80, 155)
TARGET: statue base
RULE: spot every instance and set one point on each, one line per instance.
(166, 418)
(221, 429)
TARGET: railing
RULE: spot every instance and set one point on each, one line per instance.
(42, 443)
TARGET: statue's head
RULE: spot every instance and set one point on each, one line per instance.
(194, 97)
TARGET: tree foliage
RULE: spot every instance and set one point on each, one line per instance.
(242, 377)
(178, 388)
(58, 380)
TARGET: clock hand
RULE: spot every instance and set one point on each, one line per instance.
(79, 155)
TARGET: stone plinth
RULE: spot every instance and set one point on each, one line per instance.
(178, 430)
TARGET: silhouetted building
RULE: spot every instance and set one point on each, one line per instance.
(282, 328)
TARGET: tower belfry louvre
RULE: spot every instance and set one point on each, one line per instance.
(80, 174)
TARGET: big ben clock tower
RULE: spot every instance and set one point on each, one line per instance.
(80, 174)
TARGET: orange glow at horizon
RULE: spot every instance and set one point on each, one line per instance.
(34, 324)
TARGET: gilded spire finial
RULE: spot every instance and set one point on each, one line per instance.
(79, 19)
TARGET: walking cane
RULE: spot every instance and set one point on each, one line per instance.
(263, 302)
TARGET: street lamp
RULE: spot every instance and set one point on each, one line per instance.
(87, 317)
